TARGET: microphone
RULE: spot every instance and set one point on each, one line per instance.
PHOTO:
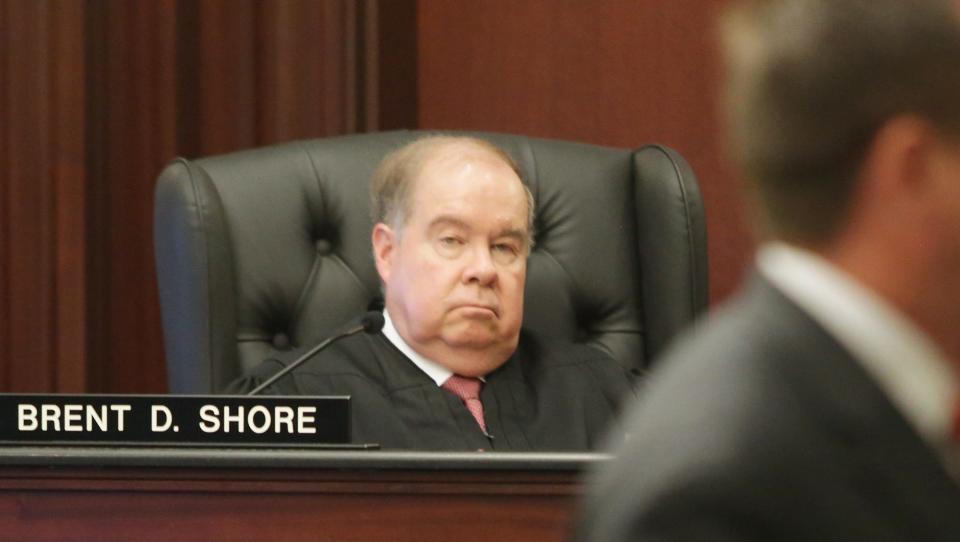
(372, 322)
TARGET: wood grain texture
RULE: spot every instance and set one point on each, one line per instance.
(226, 82)
(42, 197)
(390, 85)
(298, 54)
(70, 194)
(346, 505)
(5, 223)
(96, 97)
(30, 208)
(132, 53)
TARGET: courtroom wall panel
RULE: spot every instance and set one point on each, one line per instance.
(95, 97)
(185, 78)
(43, 194)
(611, 72)
(131, 82)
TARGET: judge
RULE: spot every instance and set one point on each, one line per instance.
(452, 368)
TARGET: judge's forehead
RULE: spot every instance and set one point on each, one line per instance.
(456, 152)
(466, 162)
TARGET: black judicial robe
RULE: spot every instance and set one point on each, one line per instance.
(546, 397)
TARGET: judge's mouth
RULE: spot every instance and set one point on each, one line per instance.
(478, 309)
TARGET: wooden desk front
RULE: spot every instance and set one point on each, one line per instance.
(62, 494)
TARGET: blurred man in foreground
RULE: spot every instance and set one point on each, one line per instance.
(821, 403)
(452, 369)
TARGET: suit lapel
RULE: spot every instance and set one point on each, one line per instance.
(898, 472)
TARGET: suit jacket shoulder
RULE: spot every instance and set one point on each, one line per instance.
(759, 425)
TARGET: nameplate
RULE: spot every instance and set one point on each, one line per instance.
(190, 420)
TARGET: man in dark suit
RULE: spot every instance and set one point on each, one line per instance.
(819, 404)
(451, 369)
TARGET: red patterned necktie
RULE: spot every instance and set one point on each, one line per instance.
(468, 389)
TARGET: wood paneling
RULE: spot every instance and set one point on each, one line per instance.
(5, 223)
(132, 125)
(194, 79)
(201, 504)
(42, 197)
(390, 85)
(611, 72)
(95, 97)
(226, 79)
(70, 194)
(303, 80)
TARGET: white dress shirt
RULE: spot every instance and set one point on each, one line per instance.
(434, 370)
(903, 360)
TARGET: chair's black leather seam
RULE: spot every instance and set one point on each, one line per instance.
(694, 263)
(204, 253)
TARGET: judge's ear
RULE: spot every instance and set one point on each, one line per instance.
(384, 241)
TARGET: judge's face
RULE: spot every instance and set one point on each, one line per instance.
(454, 272)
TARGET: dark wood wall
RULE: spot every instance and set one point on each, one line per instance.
(43, 195)
(97, 95)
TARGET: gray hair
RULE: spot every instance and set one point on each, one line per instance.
(394, 180)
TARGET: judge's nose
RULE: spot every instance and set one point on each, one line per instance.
(480, 267)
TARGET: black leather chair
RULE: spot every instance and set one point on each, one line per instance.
(268, 249)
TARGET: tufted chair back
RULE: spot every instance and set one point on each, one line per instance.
(269, 249)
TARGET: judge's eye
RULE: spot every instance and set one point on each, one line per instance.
(505, 252)
(450, 242)
(449, 245)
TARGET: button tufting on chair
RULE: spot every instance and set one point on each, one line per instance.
(618, 231)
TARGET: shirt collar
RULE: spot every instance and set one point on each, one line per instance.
(904, 361)
(438, 373)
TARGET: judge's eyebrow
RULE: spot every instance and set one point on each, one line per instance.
(450, 220)
(513, 233)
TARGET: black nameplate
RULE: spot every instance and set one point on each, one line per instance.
(192, 420)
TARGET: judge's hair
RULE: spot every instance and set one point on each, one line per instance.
(394, 180)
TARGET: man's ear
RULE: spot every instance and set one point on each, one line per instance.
(384, 241)
(897, 162)
(890, 202)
